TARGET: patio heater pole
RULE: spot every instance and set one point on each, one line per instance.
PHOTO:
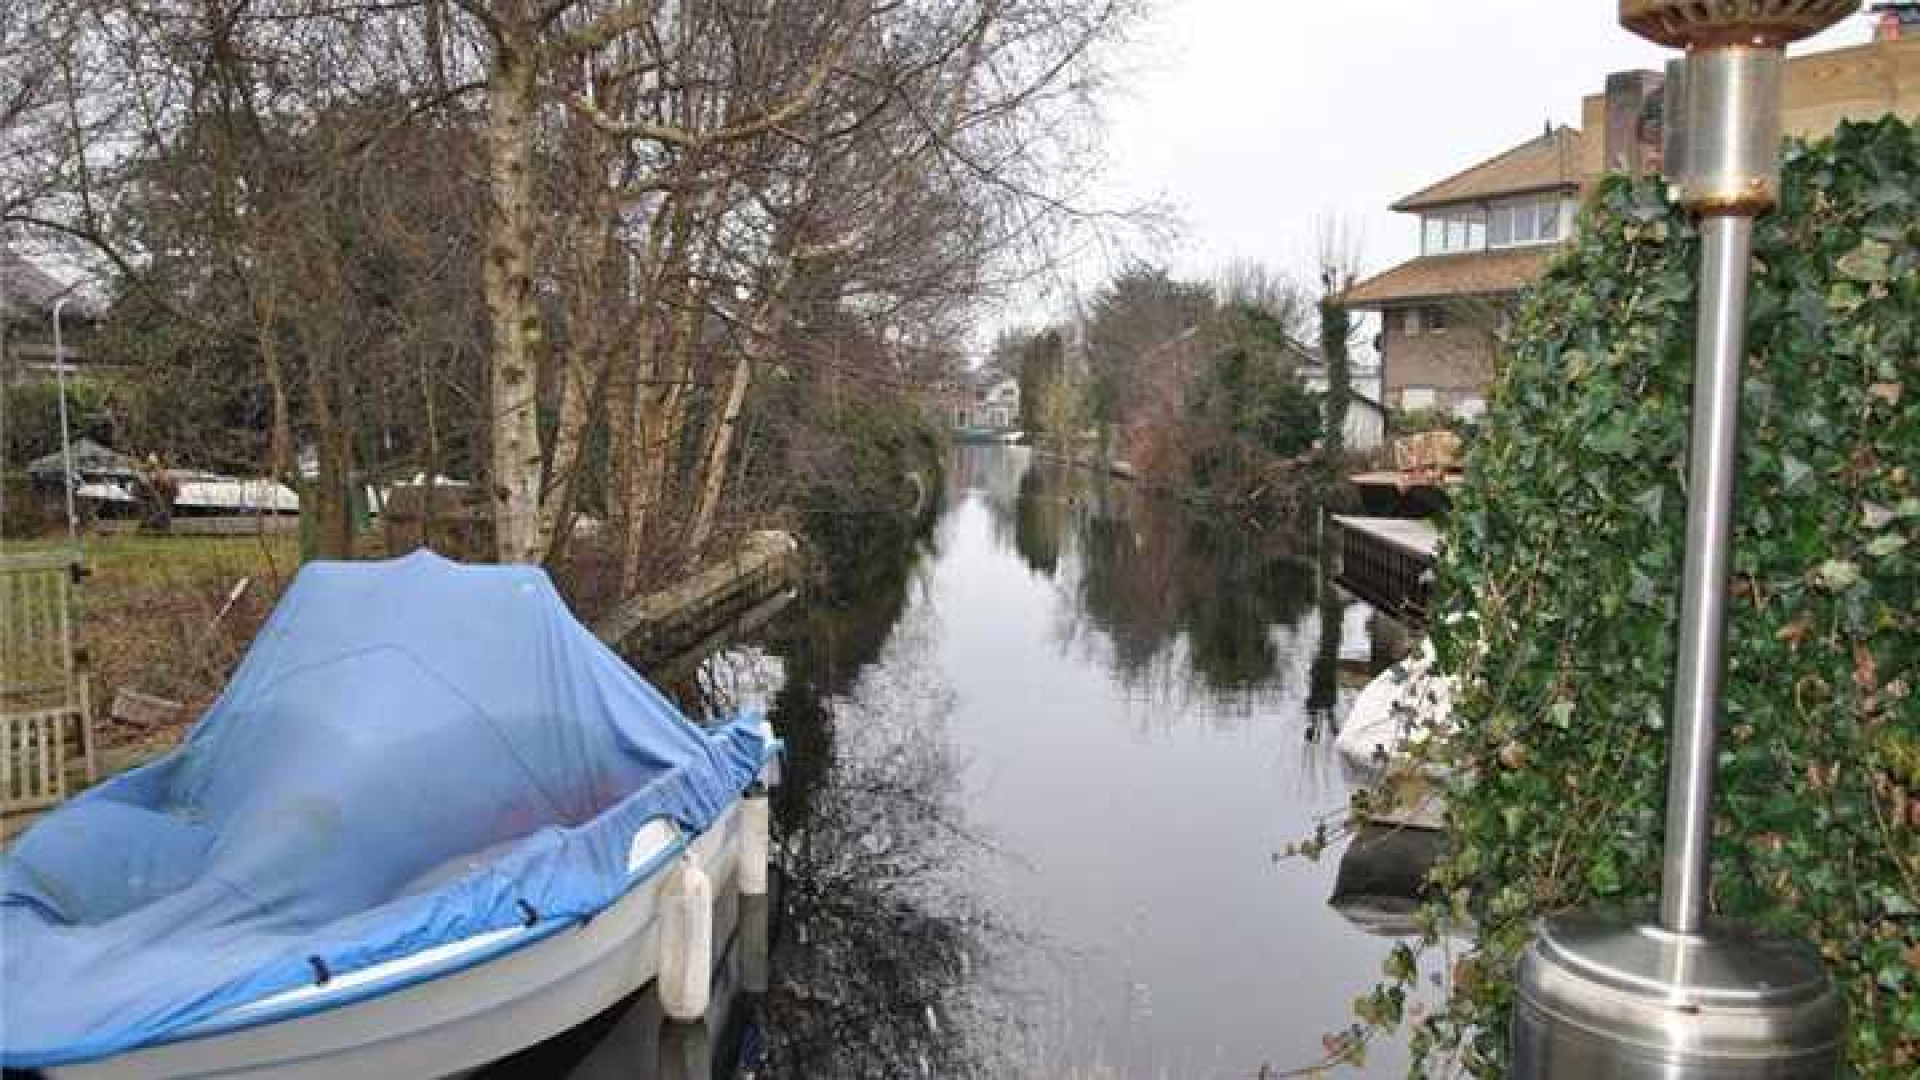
(1609, 995)
(66, 444)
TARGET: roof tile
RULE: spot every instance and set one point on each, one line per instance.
(1433, 277)
(1549, 161)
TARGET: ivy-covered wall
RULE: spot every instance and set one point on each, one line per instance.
(1559, 596)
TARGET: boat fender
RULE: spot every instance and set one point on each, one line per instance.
(321, 976)
(756, 841)
(686, 942)
(529, 915)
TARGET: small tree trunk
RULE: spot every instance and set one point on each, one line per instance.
(513, 383)
(580, 389)
(333, 522)
(714, 478)
(428, 514)
(273, 369)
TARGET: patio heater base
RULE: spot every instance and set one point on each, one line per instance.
(1608, 996)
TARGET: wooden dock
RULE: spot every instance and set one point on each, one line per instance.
(675, 620)
(1388, 562)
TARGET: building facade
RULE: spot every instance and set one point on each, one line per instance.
(988, 401)
(1489, 232)
(28, 294)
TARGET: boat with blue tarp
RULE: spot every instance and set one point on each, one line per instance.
(432, 819)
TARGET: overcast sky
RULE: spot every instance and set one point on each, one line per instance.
(1254, 119)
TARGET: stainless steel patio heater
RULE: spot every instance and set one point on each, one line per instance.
(1615, 996)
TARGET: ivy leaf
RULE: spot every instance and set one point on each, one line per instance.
(1811, 308)
(1838, 574)
(1672, 287)
(1400, 964)
(1886, 194)
(1640, 588)
(1649, 502)
(1883, 546)
(1794, 472)
(1514, 818)
(1870, 263)
(1604, 875)
(1613, 439)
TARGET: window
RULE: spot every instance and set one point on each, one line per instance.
(1470, 407)
(1522, 222)
(1438, 319)
(1500, 227)
(1453, 231)
(1413, 322)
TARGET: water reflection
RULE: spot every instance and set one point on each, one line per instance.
(878, 974)
(635, 1041)
(1175, 594)
(1051, 760)
(1039, 767)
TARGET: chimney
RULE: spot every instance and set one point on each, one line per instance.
(1634, 123)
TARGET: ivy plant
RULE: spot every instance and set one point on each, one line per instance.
(1557, 603)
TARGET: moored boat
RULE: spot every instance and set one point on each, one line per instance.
(432, 820)
(1403, 707)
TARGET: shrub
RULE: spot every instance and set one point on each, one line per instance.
(32, 411)
(1558, 600)
(1249, 416)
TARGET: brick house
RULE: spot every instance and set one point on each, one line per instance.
(1488, 233)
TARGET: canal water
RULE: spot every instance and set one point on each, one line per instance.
(1042, 769)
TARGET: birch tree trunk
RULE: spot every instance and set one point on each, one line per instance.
(507, 284)
(582, 379)
(661, 382)
(714, 476)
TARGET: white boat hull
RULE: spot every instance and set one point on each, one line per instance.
(1403, 706)
(455, 1023)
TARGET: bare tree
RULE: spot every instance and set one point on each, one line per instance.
(572, 247)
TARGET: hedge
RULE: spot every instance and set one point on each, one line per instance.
(1557, 602)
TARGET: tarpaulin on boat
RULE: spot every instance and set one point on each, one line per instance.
(413, 752)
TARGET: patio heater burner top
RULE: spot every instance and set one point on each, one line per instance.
(1691, 24)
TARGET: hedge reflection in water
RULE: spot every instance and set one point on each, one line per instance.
(1188, 604)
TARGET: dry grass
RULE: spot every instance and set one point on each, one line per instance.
(155, 616)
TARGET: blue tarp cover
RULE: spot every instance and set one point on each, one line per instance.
(410, 751)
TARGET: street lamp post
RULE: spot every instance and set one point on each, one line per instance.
(1609, 995)
(66, 443)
